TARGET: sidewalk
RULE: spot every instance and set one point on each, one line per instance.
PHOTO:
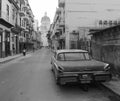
(9, 58)
(113, 85)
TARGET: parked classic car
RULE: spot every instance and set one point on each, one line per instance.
(78, 66)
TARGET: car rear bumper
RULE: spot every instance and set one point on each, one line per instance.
(85, 77)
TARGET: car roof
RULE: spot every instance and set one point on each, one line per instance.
(70, 50)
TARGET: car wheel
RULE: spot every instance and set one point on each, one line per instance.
(59, 82)
(51, 68)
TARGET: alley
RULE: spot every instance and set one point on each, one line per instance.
(30, 78)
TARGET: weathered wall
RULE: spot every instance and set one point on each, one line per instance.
(106, 47)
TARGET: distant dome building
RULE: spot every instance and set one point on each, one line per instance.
(45, 19)
(44, 28)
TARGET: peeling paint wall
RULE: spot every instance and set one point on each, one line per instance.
(106, 47)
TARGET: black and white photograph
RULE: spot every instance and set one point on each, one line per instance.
(59, 50)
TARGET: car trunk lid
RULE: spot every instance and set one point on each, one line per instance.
(79, 66)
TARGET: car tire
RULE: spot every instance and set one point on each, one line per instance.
(52, 69)
(58, 82)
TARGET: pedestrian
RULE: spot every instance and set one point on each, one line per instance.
(13, 50)
(24, 52)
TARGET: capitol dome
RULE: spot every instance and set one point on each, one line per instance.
(45, 18)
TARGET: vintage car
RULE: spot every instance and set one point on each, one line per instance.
(78, 66)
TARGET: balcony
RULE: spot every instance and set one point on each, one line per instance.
(26, 18)
(22, 1)
(28, 11)
(5, 20)
(32, 20)
(25, 7)
(61, 3)
(16, 29)
(22, 13)
(58, 11)
(58, 28)
(62, 24)
(26, 31)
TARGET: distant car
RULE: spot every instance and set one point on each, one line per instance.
(77, 66)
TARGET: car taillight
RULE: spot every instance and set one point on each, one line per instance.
(60, 69)
(107, 67)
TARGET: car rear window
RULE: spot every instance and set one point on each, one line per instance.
(73, 56)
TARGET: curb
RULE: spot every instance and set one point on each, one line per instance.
(117, 96)
(12, 58)
(8, 60)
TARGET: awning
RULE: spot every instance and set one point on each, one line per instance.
(5, 23)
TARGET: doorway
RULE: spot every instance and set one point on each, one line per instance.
(7, 43)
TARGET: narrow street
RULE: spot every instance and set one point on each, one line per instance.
(30, 78)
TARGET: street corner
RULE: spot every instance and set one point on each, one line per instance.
(113, 85)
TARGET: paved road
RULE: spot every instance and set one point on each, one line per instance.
(29, 78)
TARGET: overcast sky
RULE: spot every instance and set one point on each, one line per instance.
(39, 7)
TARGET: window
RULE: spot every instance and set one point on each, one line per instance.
(105, 22)
(22, 23)
(73, 56)
(100, 22)
(0, 7)
(115, 22)
(110, 22)
(13, 15)
(7, 10)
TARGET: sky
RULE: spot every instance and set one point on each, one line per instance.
(39, 7)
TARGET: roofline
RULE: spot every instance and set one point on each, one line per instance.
(105, 29)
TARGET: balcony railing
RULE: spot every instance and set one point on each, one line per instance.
(25, 7)
(26, 18)
(22, 13)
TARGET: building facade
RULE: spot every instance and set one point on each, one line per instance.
(6, 23)
(106, 46)
(36, 35)
(16, 26)
(81, 16)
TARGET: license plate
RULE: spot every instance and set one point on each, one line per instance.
(84, 76)
(84, 81)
